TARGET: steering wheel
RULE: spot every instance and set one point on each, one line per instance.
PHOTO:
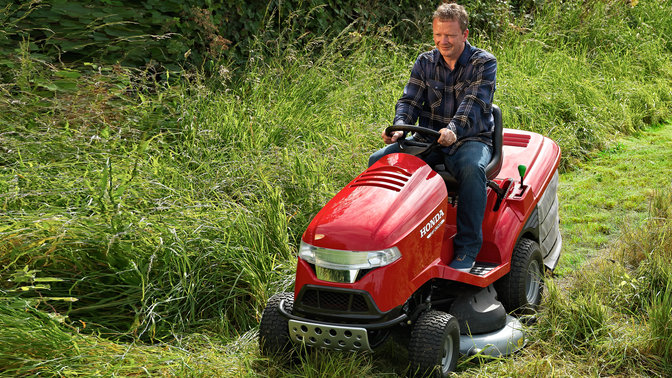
(415, 147)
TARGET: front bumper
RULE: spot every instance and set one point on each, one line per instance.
(329, 336)
(335, 336)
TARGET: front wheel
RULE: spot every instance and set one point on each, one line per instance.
(521, 289)
(435, 345)
(273, 328)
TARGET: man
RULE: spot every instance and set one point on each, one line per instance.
(450, 90)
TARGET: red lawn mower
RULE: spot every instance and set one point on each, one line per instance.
(374, 261)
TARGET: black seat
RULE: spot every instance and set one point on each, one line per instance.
(492, 169)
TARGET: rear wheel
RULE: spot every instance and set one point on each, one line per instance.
(273, 328)
(435, 345)
(521, 289)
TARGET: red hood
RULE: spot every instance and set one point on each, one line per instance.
(379, 207)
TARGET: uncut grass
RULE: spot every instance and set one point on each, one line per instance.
(589, 72)
(611, 317)
(190, 223)
(181, 213)
(43, 345)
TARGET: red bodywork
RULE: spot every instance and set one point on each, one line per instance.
(400, 201)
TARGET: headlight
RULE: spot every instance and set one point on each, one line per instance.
(347, 263)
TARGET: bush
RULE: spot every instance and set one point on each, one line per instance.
(175, 33)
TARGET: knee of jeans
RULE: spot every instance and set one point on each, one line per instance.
(380, 154)
(373, 158)
(472, 171)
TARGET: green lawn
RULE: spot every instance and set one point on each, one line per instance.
(612, 191)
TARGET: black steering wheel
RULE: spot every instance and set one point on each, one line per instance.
(415, 147)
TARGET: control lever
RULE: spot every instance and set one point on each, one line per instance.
(521, 171)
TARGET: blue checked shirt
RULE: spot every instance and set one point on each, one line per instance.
(460, 100)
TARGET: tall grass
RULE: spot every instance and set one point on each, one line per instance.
(587, 71)
(618, 307)
(156, 227)
(174, 209)
(610, 317)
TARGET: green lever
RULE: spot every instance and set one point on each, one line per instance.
(521, 170)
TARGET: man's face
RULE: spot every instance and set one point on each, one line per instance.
(449, 39)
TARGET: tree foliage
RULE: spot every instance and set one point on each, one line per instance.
(175, 33)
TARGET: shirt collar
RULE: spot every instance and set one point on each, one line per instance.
(463, 60)
(466, 54)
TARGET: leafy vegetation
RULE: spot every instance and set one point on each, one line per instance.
(170, 34)
(145, 223)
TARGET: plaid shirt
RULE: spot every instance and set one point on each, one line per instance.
(460, 100)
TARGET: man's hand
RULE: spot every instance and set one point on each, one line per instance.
(447, 137)
(391, 139)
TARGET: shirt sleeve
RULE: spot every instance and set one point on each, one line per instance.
(477, 100)
(409, 106)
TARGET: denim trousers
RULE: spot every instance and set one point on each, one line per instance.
(467, 165)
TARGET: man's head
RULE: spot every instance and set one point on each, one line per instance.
(452, 12)
(450, 31)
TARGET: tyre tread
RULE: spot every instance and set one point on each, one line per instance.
(511, 288)
(425, 348)
(273, 327)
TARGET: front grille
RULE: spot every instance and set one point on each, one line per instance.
(334, 301)
(359, 304)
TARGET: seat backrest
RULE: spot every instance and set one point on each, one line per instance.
(492, 169)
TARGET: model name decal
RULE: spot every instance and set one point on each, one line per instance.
(433, 225)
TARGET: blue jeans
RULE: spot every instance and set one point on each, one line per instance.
(467, 165)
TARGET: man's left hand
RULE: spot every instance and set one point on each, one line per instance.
(447, 137)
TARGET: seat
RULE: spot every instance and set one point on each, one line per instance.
(492, 169)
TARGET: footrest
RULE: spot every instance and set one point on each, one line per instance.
(482, 268)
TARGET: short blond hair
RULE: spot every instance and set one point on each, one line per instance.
(452, 12)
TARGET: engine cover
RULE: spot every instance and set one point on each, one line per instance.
(398, 202)
(380, 207)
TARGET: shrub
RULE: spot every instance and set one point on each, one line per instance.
(174, 33)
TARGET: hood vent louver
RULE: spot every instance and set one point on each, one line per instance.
(392, 178)
(516, 140)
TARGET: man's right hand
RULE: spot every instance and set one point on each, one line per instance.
(447, 137)
(391, 139)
